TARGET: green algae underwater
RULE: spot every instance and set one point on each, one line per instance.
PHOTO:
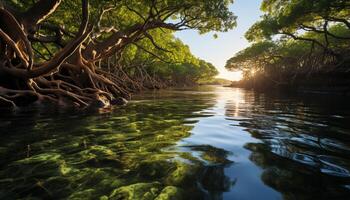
(193, 143)
(127, 153)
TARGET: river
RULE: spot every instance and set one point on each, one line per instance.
(208, 142)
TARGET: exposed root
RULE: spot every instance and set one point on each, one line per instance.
(67, 77)
(7, 103)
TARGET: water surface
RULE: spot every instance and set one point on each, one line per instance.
(196, 143)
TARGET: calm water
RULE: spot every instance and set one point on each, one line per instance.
(201, 143)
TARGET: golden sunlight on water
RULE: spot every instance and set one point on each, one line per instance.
(233, 97)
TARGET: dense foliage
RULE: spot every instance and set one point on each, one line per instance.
(51, 53)
(297, 43)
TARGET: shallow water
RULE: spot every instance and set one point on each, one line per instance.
(197, 143)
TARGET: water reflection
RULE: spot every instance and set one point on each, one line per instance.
(222, 130)
(196, 143)
(305, 150)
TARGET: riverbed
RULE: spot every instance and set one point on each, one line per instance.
(207, 142)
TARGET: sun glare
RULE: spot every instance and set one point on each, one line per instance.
(232, 76)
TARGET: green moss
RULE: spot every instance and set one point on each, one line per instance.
(137, 191)
(131, 128)
(64, 169)
(171, 193)
(104, 198)
(85, 194)
(212, 154)
(60, 186)
(119, 118)
(101, 151)
(44, 157)
(154, 169)
(182, 175)
(111, 182)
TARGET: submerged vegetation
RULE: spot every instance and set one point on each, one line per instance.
(129, 153)
(199, 143)
(298, 43)
(78, 53)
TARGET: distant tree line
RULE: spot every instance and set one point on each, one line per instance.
(298, 43)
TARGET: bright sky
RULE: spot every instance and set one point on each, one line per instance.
(218, 51)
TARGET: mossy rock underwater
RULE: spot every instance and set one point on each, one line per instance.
(147, 191)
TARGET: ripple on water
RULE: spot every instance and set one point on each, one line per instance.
(203, 143)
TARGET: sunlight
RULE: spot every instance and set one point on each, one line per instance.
(230, 100)
(253, 71)
(232, 76)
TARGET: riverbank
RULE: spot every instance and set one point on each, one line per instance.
(328, 84)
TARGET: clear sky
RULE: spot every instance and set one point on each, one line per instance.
(218, 51)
